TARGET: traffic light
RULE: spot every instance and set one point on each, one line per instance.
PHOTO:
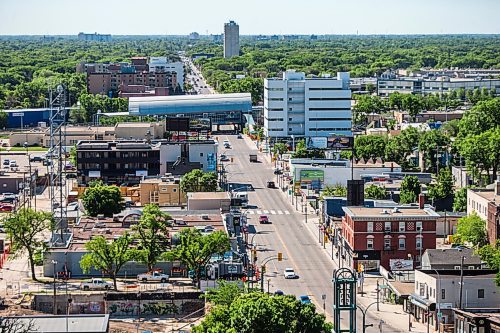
(263, 269)
(254, 254)
(280, 256)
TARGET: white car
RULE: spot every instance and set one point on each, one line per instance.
(73, 206)
(289, 273)
(96, 284)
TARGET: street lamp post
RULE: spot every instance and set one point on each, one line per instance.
(363, 312)
(54, 310)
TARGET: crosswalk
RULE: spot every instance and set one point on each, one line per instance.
(267, 212)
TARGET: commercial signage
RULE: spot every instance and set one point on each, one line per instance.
(140, 173)
(310, 175)
(200, 124)
(340, 142)
(401, 264)
(18, 114)
(211, 162)
(317, 142)
(95, 174)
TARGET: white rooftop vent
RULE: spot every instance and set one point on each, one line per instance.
(396, 210)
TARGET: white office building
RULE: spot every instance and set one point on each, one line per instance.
(161, 64)
(231, 39)
(312, 107)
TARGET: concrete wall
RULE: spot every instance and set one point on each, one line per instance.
(123, 304)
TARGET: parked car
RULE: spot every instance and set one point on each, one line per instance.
(7, 200)
(270, 184)
(96, 284)
(36, 159)
(13, 164)
(153, 276)
(278, 171)
(71, 176)
(263, 219)
(289, 273)
(6, 162)
(240, 136)
(6, 208)
(224, 158)
(304, 299)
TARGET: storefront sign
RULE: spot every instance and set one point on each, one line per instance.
(401, 264)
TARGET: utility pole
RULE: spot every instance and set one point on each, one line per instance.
(378, 299)
(54, 309)
(461, 281)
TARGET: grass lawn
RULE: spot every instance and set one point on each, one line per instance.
(23, 149)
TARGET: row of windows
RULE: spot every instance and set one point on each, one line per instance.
(274, 109)
(326, 89)
(276, 129)
(125, 154)
(388, 244)
(328, 109)
(402, 226)
(331, 129)
(275, 119)
(329, 99)
(331, 119)
(114, 166)
(276, 99)
(274, 89)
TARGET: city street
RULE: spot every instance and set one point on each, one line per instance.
(289, 234)
(195, 78)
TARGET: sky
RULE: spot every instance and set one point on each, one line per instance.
(174, 17)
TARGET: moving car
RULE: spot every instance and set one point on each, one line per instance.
(253, 158)
(270, 184)
(227, 145)
(153, 276)
(304, 299)
(96, 284)
(240, 136)
(263, 219)
(224, 158)
(36, 159)
(289, 273)
(279, 293)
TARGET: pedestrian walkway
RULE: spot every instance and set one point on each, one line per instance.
(267, 212)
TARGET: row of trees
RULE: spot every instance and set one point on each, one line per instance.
(148, 242)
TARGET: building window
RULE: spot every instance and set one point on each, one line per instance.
(419, 226)
(402, 243)
(443, 294)
(369, 227)
(480, 293)
(387, 226)
(387, 244)
(418, 243)
(201, 154)
(401, 227)
(369, 244)
(174, 190)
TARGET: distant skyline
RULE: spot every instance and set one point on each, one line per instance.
(160, 17)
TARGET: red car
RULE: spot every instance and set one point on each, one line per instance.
(6, 208)
(263, 219)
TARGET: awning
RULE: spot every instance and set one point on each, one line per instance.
(422, 303)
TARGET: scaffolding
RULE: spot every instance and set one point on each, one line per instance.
(57, 156)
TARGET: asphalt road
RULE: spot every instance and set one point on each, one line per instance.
(195, 78)
(287, 233)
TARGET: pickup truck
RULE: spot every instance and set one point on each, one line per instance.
(96, 284)
(154, 276)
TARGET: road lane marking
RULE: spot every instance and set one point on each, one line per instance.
(266, 212)
(259, 212)
(287, 212)
(251, 212)
(280, 212)
(273, 212)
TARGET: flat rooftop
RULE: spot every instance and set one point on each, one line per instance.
(489, 195)
(75, 323)
(368, 213)
(209, 195)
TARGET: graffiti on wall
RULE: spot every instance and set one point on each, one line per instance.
(123, 309)
(160, 309)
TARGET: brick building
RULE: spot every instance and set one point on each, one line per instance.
(373, 236)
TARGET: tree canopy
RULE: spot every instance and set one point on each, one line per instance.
(410, 189)
(471, 229)
(199, 181)
(102, 199)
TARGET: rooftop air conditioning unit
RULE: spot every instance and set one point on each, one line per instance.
(396, 210)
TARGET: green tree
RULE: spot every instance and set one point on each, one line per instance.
(471, 229)
(3, 118)
(263, 313)
(410, 189)
(431, 144)
(491, 255)
(280, 149)
(336, 190)
(195, 250)
(25, 228)
(396, 101)
(225, 293)
(108, 256)
(370, 146)
(152, 232)
(444, 185)
(198, 181)
(460, 200)
(483, 116)
(102, 199)
(412, 104)
(375, 192)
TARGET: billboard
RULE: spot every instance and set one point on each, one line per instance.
(140, 173)
(317, 142)
(401, 264)
(310, 175)
(200, 124)
(340, 142)
(176, 124)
